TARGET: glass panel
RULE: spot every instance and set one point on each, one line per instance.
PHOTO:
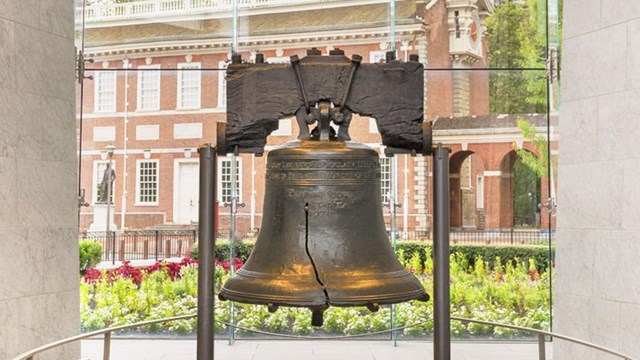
(158, 88)
(279, 31)
(495, 123)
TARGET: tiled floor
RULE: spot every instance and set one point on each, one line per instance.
(312, 350)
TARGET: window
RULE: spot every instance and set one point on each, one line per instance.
(148, 88)
(279, 60)
(373, 126)
(480, 193)
(189, 86)
(99, 168)
(385, 179)
(105, 91)
(377, 56)
(222, 84)
(224, 181)
(147, 182)
(284, 128)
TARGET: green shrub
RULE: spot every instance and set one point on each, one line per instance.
(241, 250)
(90, 254)
(408, 249)
(488, 253)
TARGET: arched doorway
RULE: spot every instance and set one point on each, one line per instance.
(467, 190)
(520, 188)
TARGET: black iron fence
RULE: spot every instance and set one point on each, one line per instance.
(163, 244)
(506, 236)
(143, 244)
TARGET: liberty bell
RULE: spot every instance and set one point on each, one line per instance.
(323, 240)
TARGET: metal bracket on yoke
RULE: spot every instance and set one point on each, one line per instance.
(427, 143)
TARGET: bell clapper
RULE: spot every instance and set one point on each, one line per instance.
(272, 308)
(373, 307)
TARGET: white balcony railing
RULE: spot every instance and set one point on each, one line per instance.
(107, 10)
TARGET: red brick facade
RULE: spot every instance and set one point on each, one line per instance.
(177, 156)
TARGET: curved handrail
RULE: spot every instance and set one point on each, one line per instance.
(548, 333)
(29, 354)
(107, 332)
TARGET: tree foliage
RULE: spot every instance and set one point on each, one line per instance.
(517, 40)
(537, 163)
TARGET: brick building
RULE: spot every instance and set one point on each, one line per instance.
(156, 116)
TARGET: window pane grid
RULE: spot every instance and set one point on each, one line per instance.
(106, 91)
(189, 83)
(225, 181)
(149, 90)
(148, 182)
(385, 178)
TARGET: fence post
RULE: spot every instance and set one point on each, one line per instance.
(113, 247)
(157, 241)
(121, 251)
(146, 249)
(167, 250)
(106, 350)
(512, 235)
(179, 253)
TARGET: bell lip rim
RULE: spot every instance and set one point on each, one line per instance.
(396, 298)
(352, 278)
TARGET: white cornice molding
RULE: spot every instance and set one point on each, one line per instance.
(248, 43)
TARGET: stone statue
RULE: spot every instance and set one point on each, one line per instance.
(106, 183)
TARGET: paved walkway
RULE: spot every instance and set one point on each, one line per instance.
(127, 349)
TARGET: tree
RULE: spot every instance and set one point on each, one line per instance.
(538, 164)
(514, 43)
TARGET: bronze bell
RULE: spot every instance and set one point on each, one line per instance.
(323, 240)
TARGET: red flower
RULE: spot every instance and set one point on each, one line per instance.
(92, 275)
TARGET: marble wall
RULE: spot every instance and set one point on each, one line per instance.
(38, 175)
(598, 255)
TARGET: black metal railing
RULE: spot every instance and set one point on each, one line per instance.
(489, 237)
(143, 244)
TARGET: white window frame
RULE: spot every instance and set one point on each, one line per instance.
(99, 77)
(97, 178)
(156, 106)
(391, 178)
(221, 161)
(377, 55)
(480, 192)
(284, 127)
(222, 84)
(179, 101)
(373, 126)
(138, 187)
(279, 60)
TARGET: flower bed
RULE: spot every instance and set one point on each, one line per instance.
(515, 293)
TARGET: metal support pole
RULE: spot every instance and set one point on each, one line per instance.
(542, 353)
(441, 300)
(106, 347)
(206, 257)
